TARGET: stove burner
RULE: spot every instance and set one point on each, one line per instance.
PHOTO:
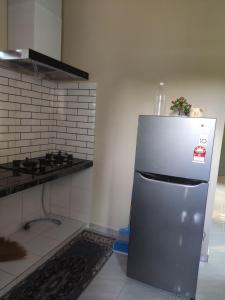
(29, 164)
(59, 157)
(38, 166)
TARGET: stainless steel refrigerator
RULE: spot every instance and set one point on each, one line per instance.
(172, 169)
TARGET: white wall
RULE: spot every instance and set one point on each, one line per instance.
(129, 47)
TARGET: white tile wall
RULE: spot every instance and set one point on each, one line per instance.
(37, 116)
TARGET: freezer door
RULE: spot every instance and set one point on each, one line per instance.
(167, 145)
(166, 233)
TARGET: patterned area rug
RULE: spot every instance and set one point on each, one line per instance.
(68, 272)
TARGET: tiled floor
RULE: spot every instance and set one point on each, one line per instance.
(40, 241)
(112, 284)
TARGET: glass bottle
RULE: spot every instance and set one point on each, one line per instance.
(160, 101)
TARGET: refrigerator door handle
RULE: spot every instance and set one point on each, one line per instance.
(170, 179)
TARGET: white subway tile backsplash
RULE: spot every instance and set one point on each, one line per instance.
(77, 130)
(90, 157)
(78, 92)
(70, 111)
(18, 156)
(60, 117)
(4, 97)
(91, 119)
(91, 132)
(31, 94)
(3, 159)
(85, 150)
(30, 122)
(48, 122)
(85, 125)
(47, 135)
(9, 106)
(40, 115)
(30, 149)
(86, 138)
(3, 145)
(45, 147)
(30, 136)
(9, 121)
(9, 74)
(47, 97)
(57, 128)
(41, 102)
(39, 128)
(20, 114)
(31, 79)
(9, 90)
(86, 99)
(90, 145)
(77, 105)
(50, 84)
(39, 142)
(19, 128)
(60, 92)
(21, 143)
(75, 143)
(87, 85)
(4, 129)
(80, 155)
(67, 148)
(30, 108)
(19, 99)
(83, 112)
(9, 151)
(92, 112)
(4, 80)
(9, 136)
(37, 153)
(68, 98)
(71, 118)
(46, 109)
(60, 141)
(93, 93)
(40, 89)
(68, 85)
(66, 124)
(20, 84)
(92, 105)
(4, 113)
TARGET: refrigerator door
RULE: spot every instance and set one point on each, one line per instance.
(175, 146)
(166, 233)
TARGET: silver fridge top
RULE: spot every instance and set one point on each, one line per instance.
(175, 146)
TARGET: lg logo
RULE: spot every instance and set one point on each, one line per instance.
(203, 140)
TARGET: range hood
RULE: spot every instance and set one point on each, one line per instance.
(37, 64)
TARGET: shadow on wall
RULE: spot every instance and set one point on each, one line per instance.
(219, 204)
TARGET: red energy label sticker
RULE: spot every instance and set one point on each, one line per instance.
(199, 154)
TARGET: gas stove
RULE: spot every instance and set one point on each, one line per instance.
(49, 163)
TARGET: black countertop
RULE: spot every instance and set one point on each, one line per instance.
(10, 184)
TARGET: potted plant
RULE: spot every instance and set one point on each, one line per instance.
(181, 106)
